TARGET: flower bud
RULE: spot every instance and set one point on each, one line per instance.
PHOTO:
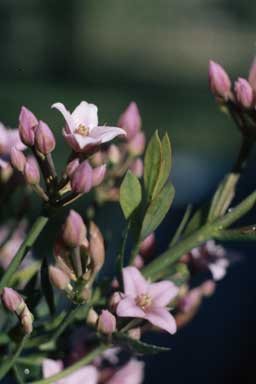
(18, 159)
(135, 333)
(130, 120)
(208, 288)
(96, 247)
(147, 246)
(98, 175)
(74, 230)
(92, 317)
(44, 138)
(26, 319)
(71, 167)
(138, 262)
(31, 171)
(219, 81)
(114, 301)
(27, 125)
(11, 299)
(244, 93)
(114, 154)
(137, 145)
(107, 322)
(82, 178)
(58, 278)
(252, 75)
(137, 167)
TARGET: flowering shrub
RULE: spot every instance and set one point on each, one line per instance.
(62, 321)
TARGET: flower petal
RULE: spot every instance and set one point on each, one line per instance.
(51, 367)
(104, 133)
(88, 374)
(128, 308)
(67, 116)
(161, 318)
(163, 292)
(130, 373)
(85, 114)
(84, 141)
(134, 283)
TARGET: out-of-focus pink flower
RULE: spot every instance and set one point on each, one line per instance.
(147, 301)
(98, 175)
(107, 322)
(190, 300)
(138, 262)
(130, 120)
(18, 159)
(137, 144)
(82, 131)
(27, 125)
(131, 373)
(31, 171)
(44, 138)
(74, 230)
(82, 178)
(88, 374)
(147, 246)
(114, 154)
(244, 93)
(219, 81)
(114, 300)
(137, 167)
(9, 138)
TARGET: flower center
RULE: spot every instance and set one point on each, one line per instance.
(143, 301)
(82, 130)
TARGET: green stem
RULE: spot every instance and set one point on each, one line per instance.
(79, 364)
(65, 323)
(155, 269)
(35, 231)
(7, 365)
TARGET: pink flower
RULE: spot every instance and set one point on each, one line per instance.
(219, 81)
(130, 120)
(147, 301)
(8, 139)
(130, 373)
(88, 374)
(82, 131)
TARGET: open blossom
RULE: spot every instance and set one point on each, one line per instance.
(9, 138)
(147, 301)
(82, 131)
(130, 373)
(88, 374)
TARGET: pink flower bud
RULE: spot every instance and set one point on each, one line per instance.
(244, 93)
(82, 178)
(26, 319)
(114, 301)
(44, 138)
(138, 262)
(96, 247)
(98, 175)
(107, 322)
(135, 333)
(92, 317)
(27, 125)
(18, 160)
(31, 171)
(219, 81)
(137, 145)
(72, 166)
(114, 154)
(58, 278)
(147, 246)
(74, 230)
(252, 75)
(11, 299)
(130, 120)
(208, 288)
(137, 167)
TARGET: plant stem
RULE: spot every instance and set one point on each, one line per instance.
(65, 323)
(208, 231)
(33, 234)
(8, 364)
(79, 364)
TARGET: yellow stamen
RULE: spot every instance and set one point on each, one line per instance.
(143, 301)
(82, 130)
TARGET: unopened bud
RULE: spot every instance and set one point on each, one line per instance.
(96, 247)
(114, 154)
(58, 278)
(27, 125)
(82, 178)
(135, 333)
(31, 171)
(138, 262)
(44, 138)
(11, 299)
(137, 167)
(74, 230)
(244, 93)
(219, 81)
(137, 145)
(18, 159)
(107, 322)
(92, 317)
(208, 288)
(147, 246)
(130, 120)
(98, 175)
(26, 319)
(114, 301)
(71, 167)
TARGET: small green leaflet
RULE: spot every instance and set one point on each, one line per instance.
(138, 346)
(130, 194)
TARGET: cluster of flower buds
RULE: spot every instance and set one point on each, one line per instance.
(16, 304)
(78, 257)
(240, 101)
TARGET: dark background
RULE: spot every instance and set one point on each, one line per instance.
(110, 52)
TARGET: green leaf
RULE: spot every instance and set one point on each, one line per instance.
(240, 234)
(181, 226)
(47, 286)
(137, 346)
(165, 167)
(157, 210)
(130, 194)
(152, 164)
(198, 219)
